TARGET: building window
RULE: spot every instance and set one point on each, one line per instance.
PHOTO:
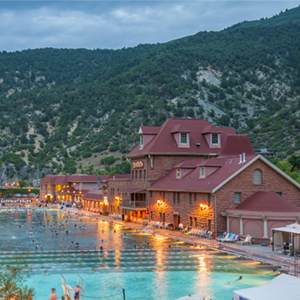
(141, 174)
(178, 198)
(145, 174)
(164, 217)
(209, 225)
(174, 197)
(195, 222)
(160, 217)
(141, 140)
(164, 196)
(136, 174)
(237, 197)
(132, 174)
(215, 139)
(191, 198)
(202, 172)
(150, 194)
(195, 197)
(257, 177)
(191, 221)
(178, 173)
(183, 138)
(151, 215)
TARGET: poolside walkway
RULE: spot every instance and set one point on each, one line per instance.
(256, 252)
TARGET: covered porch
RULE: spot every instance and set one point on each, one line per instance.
(133, 203)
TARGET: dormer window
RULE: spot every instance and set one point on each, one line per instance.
(141, 140)
(202, 172)
(183, 138)
(178, 173)
(215, 139)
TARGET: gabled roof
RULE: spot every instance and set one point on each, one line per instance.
(149, 129)
(188, 164)
(92, 195)
(228, 168)
(192, 181)
(68, 179)
(133, 190)
(164, 142)
(267, 201)
(237, 144)
(181, 127)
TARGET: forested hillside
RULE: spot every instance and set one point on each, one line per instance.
(72, 110)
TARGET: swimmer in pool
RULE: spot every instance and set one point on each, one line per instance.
(240, 278)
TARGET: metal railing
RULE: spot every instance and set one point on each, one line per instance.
(133, 204)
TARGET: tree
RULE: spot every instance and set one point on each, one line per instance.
(22, 183)
(294, 160)
(12, 285)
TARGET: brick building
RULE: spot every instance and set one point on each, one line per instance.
(190, 171)
(55, 188)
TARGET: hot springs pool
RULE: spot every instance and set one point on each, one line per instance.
(142, 264)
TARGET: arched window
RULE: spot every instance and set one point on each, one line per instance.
(257, 177)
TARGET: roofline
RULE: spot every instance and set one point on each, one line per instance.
(177, 190)
(250, 163)
(83, 198)
(170, 153)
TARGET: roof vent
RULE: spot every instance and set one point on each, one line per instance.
(244, 157)
(231, 161)
(240, 159)
(198, 144)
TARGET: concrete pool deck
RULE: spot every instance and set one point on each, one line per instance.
(254, 251)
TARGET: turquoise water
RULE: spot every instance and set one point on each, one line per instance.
(142, 264)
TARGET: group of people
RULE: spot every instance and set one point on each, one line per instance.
(77, 292)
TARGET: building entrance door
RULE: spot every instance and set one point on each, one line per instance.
(176, 221)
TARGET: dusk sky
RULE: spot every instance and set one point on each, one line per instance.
(118, 24)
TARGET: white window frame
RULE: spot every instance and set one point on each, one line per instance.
(239, 194)
(187, 138)
(257, 176)
(141, 140)
(218, 136)
(202, 172)
(178, 173)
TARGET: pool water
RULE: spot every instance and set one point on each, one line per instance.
(146, 266)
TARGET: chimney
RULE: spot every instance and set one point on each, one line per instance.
(240, 159)
(244, 157)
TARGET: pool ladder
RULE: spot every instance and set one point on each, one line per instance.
(80, 282)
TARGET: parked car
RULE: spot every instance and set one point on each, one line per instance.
(18, 195)
(24, 195)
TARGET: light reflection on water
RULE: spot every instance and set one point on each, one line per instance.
(215, 276)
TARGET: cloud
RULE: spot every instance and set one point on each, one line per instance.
(117, 24)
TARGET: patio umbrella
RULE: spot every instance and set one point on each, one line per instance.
(192, 297)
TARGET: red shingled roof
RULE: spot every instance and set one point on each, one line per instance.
(237, 144)
(164, 141)
(66, 179)
(150, 129)
(192, 181)
(91, 195)
(132, 190)
(267, 201)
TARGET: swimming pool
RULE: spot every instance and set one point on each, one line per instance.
(140, 263)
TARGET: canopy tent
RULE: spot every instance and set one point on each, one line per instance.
(283, 287)
(290, 235)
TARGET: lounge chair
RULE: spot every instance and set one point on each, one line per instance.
(222, 236)
(228, 237)
(246, 240)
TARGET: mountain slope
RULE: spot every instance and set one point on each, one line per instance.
(70, 109)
